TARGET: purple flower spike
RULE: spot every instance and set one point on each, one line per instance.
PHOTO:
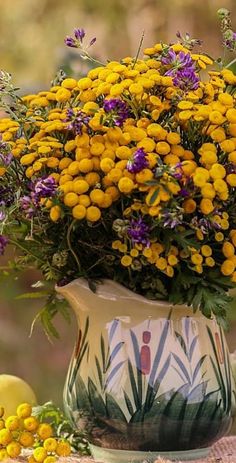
(79, 34)
(139, 231)
(77, 120)
(92, 41)
(138, 161)
(3, 243)
(27, 206)
(45, 188)
(182, 70)
(117, 110)
(186, 79)
(70, 42)
(6, 159)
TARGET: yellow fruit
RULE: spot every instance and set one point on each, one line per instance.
(14, 391)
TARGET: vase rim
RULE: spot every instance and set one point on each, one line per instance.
(112, 290)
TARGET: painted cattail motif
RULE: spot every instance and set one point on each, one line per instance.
(145, 354)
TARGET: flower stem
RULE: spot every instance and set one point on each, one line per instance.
(68, 235)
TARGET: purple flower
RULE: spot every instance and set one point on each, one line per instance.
(6, 196)
(138, 161)
(184, 193)
(70, 42)
(27, 206)
(177, 61)
(77, 40)
(172, 219)
(3, 243)
(5, 159)
(182, 70)
(45, 188)
(77, 120)
(139, 231)
(117, 110)
(79, 34)
(229, 40)
(186, 79)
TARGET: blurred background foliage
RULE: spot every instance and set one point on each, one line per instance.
(32, 49)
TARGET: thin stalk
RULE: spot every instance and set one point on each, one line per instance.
(68, 235)
(231, 63)
(139, 48)
(20, 246)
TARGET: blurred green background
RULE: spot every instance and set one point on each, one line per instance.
(32, 49)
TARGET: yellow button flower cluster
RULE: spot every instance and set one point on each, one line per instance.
(89, 136)
(24, 431)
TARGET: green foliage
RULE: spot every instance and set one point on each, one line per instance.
(53, 415)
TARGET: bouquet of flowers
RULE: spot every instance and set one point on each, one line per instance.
(128, 173)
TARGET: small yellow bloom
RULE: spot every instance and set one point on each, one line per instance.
(206, 206)
(5, 437)
(50, 444)
(55, 215)
(228, 249)
(31, 423)
(39, 454)
(12, 423)
(93, 214)
(126, 261)
(189, 206)
(161, 263)
(126, 185)
(13, 449)
(206, 250)
(26, 439)
(63, 95)
(71, 199)
(210, 262)
(63, 449)
(228, 267)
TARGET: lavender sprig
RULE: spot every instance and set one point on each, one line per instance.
(182, 69)
(138, 161)
(117, 110)
(77, 120)
(139, 232)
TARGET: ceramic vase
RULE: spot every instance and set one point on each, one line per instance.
(146, 378)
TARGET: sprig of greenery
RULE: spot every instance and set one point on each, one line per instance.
(62, 427)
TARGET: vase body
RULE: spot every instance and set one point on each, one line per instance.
(146, 378)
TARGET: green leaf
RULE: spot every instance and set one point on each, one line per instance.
(33, 295)
(154, 196)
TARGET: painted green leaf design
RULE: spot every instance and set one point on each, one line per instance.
(137, 399)
(113, 409)
(181, 341)
(218, 373)
(82, 397)
(198, 367)
(128, 404)
(137, 361)
(103, 354)
(99, 371)
(96, 399)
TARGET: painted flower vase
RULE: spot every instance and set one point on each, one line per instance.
(146, 378)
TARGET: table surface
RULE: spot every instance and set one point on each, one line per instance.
(223, 451)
